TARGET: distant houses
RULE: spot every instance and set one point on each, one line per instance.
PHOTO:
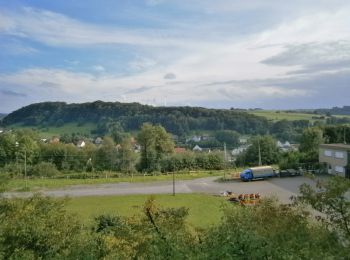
(286, 146)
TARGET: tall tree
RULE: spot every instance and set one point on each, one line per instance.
(268, 150)
(127, 157)
(309, 144)
(155, 143)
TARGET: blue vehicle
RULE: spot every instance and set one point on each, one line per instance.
(256, 173)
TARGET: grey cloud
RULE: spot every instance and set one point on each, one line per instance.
(13, 93)
(314, 57)
(48, 84)
(139, 90)
(170, 75)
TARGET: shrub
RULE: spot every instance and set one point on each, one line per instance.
(44, 169)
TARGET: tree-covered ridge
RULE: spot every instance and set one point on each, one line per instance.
(177, 120)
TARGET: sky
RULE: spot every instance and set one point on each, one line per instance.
(268, 54)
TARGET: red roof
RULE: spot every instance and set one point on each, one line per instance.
(180, 150)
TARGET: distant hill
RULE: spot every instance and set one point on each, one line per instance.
(345, 110)
(130, 116)
(2, 115)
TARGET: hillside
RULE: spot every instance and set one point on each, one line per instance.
(130, 116)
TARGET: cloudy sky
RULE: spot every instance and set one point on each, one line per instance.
(223, 53)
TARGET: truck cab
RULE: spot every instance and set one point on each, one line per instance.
(246, 175)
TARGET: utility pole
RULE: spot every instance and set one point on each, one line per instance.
(25, 168)
(259, 153)
(173, 183)
(225, 158)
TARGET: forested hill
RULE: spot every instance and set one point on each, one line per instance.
(178, 120)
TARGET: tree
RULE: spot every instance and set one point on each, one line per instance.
(309, 144)
(40, 228)
(269, 231)
(268, 150)
(7, 148)
(290, 160)
(127, 157)
(106, 155)
(331, 198)
(155, 143)
(231, 138)
(310, 140)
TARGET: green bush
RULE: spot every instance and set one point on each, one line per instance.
(44, 169)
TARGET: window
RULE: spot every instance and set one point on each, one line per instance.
(339, 169)
(328, 153)
(339, 155)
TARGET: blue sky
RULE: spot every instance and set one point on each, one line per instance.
(224, 53)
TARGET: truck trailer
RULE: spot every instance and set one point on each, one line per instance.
(256, 173)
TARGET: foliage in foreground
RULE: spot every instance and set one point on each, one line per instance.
(41, 228)
(332, 198)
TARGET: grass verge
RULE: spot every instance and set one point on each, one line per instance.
(51, 183)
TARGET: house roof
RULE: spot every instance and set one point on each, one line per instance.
(336, 146)
(180, 150)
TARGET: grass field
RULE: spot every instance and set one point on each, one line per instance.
(275, 115)
(204, 210)
(37, 183)
(283, 115)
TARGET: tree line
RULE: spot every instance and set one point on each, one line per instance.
(156, 154)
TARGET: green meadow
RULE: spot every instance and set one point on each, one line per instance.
(204, 210)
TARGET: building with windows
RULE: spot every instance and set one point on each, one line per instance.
(336, 157)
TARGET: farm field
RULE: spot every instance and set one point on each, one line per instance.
(204, 210)
(283, 115)
(52, 183)
(276, 115)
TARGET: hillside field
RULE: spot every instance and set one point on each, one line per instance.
(277, 115)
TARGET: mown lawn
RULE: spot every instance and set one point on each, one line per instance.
(48, 183)
(204, 210)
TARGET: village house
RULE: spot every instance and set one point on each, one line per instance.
(54, 140)
(336, 158)
(81, 144)
(197, 148)
(98, 141)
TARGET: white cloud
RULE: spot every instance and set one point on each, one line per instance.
(196, 60)
(98, 68)
(59, 30)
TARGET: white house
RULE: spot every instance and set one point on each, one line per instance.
(81, 144)
(197, 148)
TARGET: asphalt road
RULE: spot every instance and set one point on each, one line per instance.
(282, 188)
